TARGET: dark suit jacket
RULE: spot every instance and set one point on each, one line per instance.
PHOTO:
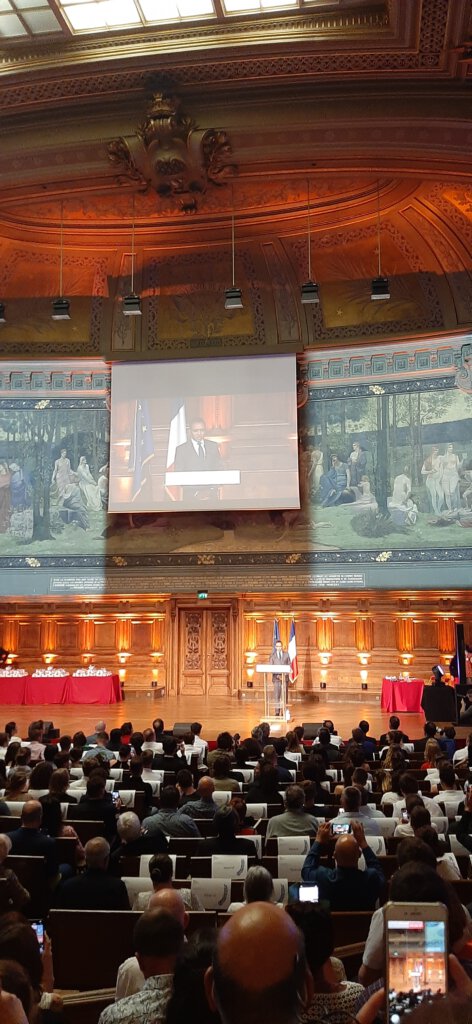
(235, 846)
(187, 460)
(33, 843)
(94, 890)
(96, 810)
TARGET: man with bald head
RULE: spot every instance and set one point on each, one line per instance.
(130, 978)
(29, 841)
(345, 887)
(201, 805)
(95, 889)
(259, 971)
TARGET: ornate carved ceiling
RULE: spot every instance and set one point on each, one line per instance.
(373, 111)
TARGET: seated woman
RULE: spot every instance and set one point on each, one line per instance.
(220, 772)
(258, 888)
(58, 829)
(17, 785)
(160, 871)
(265, 788)
(446, 862)
(40, 777)
(432, 752)
(333, 999)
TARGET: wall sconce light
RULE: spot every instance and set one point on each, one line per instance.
(48, 658)
(363, 657)
(122, 674)
(87, 658)
(364, 674)
(325, 657)
(406, 659)
(123, 657)
(250, 672)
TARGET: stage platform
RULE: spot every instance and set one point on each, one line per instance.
(215, 713)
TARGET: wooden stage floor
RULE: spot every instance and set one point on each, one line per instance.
(215, 713)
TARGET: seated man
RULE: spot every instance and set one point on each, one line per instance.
(464, 826)
(394, 726)
(170, 760)
(294, 821)
(201, 805)
(226, 825)
(409, 785)
(95, 806)
(345, 887)
(169, 819)
(101, 748)
(29, 841)
(449, 794)
(352, 810)
(130, 978)
(95, 889)
(157, 939)
(132, 839)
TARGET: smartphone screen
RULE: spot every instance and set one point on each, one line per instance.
(340, 828)
(416, 963)
(38, 927)
(308, 893)
(115, 797)
(405, 816)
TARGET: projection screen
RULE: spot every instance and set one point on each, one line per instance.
(214, 433)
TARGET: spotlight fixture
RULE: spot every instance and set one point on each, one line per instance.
(132, 302)
(233, 295)
(379, 287)
(309, 292)
(60, 306)
(3, 318)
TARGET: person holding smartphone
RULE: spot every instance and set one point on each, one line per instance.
(345, 887)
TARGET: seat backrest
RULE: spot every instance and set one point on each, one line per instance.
(144, 864)
(221, 797)
(9, 823)
(350, 926)
(456, 845)
(257, 810)
(85, 829)
(103, 939)
(213, 893)
(225, 865)
(377, 844)
(31, 871)
(136, 884)
(256, 839)
(298, 845)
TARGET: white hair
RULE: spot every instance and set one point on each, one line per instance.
(5, 846)
(128, 826)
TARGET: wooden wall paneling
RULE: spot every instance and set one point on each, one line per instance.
(104, 641)
(385, 633)
(9, 635)
(68, 637)
(48, 634)
(426, 635)
(29, 637)
(344, 633)
(141, 637)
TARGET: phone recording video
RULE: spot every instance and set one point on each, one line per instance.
(416, 950)
(38, 927)
(308, 893)
(340, 828)
(405, 816)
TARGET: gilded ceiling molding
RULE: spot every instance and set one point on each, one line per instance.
(169, 154)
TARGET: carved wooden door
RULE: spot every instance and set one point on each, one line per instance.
(204, 651)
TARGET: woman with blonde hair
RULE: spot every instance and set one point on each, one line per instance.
(432, 751)
(17, 785)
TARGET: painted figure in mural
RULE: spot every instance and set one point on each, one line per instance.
(311, 469)
(450, 466)
(402, 508)
(62, 473)
(357, 462)
(73, 505)
(88, 486)
(103, 484)
(334, 485)
(431, 470)
(17, 487)
(5, 480)
(364, 496)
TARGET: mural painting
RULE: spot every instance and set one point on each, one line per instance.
(385, 474)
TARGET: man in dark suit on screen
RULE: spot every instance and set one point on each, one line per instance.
(198, 455)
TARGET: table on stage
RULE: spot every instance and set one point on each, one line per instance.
(402, 695)
(60, 689)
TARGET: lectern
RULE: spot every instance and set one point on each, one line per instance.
(270, 704)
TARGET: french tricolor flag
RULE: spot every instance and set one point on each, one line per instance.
(177, 435)
(292, 650)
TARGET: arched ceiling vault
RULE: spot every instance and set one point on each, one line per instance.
(377, 121)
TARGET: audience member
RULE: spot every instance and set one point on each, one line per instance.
(259, 971)
(168, 818)
(270, 757)
(133, 840)
(265, 788)
(202, 805)
(94, 805)
(101, 747)
(352, 811)
(188, 1001)
(345, 886)
(450, 793)
(29, 840)
(224, 745)
(169, 760)
(394, 726)
(14, 895)
(294, 821)
(161, 870)
(95, 889)
(222, 780)
(185, 786)
(130, 978)
(332, 998)
(17, 785)
(226, 841)
(157, 939)
(330, 751)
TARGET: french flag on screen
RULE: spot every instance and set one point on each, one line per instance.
(177, 435)
(292, 650)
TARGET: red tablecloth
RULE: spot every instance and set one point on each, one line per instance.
(60, 690)
(402, 695)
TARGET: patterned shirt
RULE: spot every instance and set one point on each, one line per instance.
(148, 1006)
